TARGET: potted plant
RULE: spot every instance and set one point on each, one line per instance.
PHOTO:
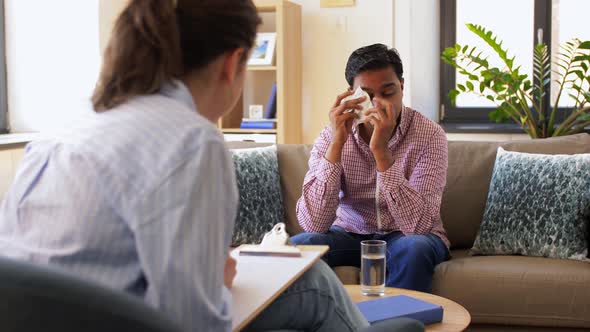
(514, 92)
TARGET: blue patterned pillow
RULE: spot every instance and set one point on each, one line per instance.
(261, 202)
(538, 205)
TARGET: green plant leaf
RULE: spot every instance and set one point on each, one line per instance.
(481, 87)
(450, 51)
(469, 85)
(510, 62)
(580, 74)
(576, 87)
(584, 57)
(488, 37)
(562, 66)
(453, 96)
(527, 85)
(573, 96)
(585, 45)
(461, 87)
(499, 115)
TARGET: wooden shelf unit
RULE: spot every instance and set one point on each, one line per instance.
(248, 131)
(258, 68)
(286, 72)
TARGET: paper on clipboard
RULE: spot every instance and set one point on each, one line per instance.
(260, 250)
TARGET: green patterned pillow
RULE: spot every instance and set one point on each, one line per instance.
(538, 205)
(261, 202)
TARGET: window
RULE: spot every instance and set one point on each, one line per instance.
(53, 61)
(516, 23)
(3, 98)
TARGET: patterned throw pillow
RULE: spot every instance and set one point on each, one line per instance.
(261, 202)
(538, 205)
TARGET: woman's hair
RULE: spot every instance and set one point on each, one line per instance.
(154, 41)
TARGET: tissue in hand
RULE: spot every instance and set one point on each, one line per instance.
(366, 104)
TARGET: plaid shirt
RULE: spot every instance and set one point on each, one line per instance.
(355, 196)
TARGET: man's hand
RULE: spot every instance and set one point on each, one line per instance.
(383, 117)
(341, 123)
(229, 272)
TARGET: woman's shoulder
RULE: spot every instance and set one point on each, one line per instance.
(149, 134)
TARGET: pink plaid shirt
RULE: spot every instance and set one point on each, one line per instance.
(355, 196)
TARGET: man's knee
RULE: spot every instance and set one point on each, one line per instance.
(412, 246)
(310, 239)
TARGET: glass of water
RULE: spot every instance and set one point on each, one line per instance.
(373, 267)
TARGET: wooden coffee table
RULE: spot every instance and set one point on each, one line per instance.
(455, 317)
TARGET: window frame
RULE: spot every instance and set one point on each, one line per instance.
(453, 115)
(3, 83)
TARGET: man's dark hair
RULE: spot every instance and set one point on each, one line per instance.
(376, 56)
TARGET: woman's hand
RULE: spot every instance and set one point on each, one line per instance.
(229, 272)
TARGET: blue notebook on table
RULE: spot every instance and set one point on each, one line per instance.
(401, 306)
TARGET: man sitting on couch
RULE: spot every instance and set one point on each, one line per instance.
(382, 179)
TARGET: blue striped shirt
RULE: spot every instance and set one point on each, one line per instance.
(141, 198)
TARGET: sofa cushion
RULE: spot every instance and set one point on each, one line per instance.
(538, 205)
(261, 203)
(470, 172)
(517, 290)
(293, 159)
(348, 275)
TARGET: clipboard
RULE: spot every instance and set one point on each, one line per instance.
(260, 280)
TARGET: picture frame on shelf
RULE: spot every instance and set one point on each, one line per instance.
(263, 50)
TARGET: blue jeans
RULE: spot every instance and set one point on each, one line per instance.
(318, 302)
(410, 259)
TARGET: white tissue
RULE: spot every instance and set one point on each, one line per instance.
(366, 104)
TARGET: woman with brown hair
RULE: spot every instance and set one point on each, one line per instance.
(141, 196)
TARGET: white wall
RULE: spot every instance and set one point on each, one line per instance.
(417, 38)
(53, 59)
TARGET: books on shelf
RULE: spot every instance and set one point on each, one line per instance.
(270, 112)
(401, 306)
(258, 124)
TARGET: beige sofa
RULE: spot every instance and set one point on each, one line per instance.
(502, 293)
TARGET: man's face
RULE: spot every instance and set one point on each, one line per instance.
(382, 84)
